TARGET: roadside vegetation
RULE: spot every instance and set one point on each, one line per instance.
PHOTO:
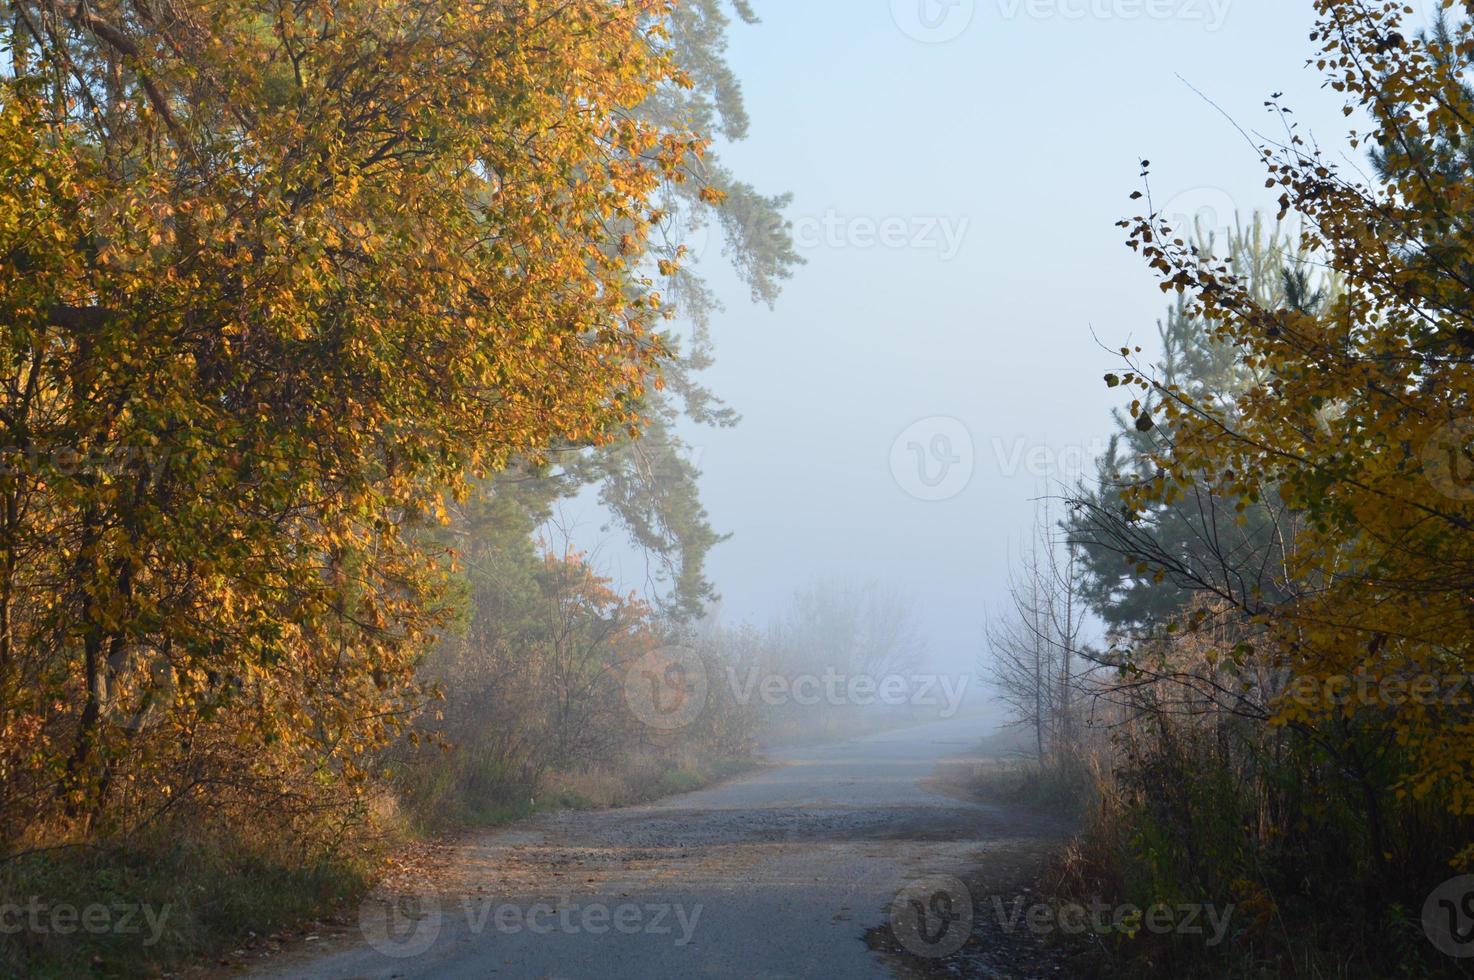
(309, 326)
(1279, 717)
(312, 317)
(312, 329)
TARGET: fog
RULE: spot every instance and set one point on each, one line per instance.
(955, 193)
(735, 488)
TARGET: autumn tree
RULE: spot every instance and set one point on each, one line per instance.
(276, 279)
(1359, 418)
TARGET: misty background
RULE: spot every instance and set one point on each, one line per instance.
(955, 186)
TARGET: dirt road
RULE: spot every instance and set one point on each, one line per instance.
(776, 875)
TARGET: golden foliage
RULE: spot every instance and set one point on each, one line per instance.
(1362, 419)
(274, 279)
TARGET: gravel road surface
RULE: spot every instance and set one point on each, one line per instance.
(775, 875)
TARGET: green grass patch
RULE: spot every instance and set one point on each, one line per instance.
(145, 907)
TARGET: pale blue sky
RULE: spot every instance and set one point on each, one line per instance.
(1025, 130)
